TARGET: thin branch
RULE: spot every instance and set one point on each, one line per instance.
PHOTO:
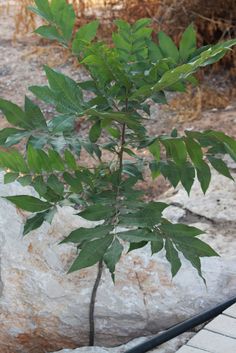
(92, 304)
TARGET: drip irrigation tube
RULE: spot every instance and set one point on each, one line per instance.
(182, 327)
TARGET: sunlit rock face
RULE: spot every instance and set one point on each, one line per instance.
(42, 309)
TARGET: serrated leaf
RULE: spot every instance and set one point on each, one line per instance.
(29, 203)
(91, 253)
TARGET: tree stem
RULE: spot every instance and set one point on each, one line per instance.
(92, 304)
(122, 149)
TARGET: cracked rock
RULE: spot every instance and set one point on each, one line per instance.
(43, 309)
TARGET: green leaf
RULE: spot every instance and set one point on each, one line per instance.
(13, 160)
(188, 43)
(168, 47)
(229, 143)
(49, 32)
(62, 123)
(15, 114)
(187, 176)
(25, 180)
(149, 215)
(34, 114)
(56, 161)
(95, 132)
(194, 150)
(173, 257)
(97, 213)
(43, 9)
(44, 93)
(155, 169)
(112, 256)
(10, 177)
(175, 230)
(33, 159)
(81, 234)
(155, 149)
(178, 151)
(65, 92)
(9, 135)
(70, 160)
(157, 245)
(135, 246)
(64, 16)
(91, 253)
(220, 166)
(138, 235)
(115, 132)
(34, 222)
(39, 185)
(56, 185)
(75, 183)
(84, 36)
(171, 172)
(193, 250)
(204, 176)
(29, 203)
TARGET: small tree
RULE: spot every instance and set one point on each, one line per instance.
(123, 80)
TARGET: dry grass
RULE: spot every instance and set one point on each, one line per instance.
(215, 19)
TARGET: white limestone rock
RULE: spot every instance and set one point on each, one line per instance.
(168, 347)
(43, 310)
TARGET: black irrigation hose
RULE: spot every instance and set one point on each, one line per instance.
(176, 330)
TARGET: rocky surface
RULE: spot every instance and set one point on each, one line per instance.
(169, 347)
(43, 309)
